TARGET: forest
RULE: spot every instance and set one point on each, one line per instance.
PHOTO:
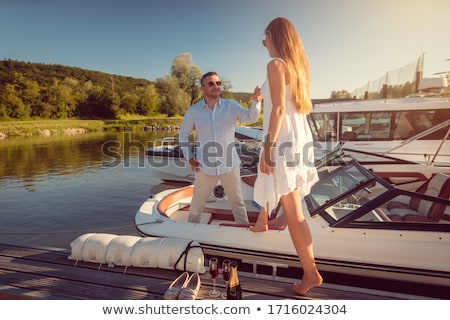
(44, 91)
(31, 91)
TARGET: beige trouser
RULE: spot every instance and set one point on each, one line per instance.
(204, 185)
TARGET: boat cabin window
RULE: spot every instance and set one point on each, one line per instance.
(376, 126)
(366, 126)
(323, 126)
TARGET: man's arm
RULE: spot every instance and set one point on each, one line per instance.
(183, 136)
(251, 115)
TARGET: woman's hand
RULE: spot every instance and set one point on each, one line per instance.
(266, 164)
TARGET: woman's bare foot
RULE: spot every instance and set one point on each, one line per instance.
(307, 283)
(259, 227)
(261, 224)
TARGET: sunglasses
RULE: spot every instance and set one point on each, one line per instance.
(212, 83)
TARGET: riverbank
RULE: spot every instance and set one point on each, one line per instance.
(74, 126)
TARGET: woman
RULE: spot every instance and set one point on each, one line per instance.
(286, 167)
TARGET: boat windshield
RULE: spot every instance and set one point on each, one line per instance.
(352, 196)
(336, 185)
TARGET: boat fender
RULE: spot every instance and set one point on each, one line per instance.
(184, 254)
(149, 252)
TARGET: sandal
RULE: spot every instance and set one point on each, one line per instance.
(175, 287)
(191, 288)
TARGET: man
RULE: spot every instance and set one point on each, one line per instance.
(214, 120)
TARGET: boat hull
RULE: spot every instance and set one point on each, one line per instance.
(405, 255)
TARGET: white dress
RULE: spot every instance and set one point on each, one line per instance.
(294, 155)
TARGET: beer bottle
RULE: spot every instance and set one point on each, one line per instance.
(234, 291)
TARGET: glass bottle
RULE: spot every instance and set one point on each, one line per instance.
(234, 291)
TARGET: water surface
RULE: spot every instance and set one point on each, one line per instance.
(53, 189)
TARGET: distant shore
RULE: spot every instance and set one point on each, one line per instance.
(74, 126)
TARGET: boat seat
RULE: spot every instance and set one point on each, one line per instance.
(420, 210)
(348, 136)
(205, 217)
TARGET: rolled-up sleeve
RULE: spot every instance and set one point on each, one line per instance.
(250, 115)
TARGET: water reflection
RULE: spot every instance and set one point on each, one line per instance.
(53, 189)
(32, 159)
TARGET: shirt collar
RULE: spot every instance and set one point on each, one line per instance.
(219, 102)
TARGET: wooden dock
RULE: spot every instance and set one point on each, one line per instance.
(45, 273)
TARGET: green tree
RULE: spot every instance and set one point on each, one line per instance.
(226, 89)
(98, 103)
(14, 105)
(187, 74)
(149, 102)
(341, 94)
(174, 100)
(61, 103)
(129, 103)
(28, 91)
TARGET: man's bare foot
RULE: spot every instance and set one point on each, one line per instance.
(307, 283)
(259, 227)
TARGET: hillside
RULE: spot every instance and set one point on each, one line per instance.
(48, 91)
(45, 74)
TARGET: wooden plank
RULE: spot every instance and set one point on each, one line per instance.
(52, 272)
(49, 274)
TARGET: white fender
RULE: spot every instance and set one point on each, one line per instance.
(120, 249)
(148, 252)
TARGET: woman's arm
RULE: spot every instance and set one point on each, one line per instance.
(276, 74)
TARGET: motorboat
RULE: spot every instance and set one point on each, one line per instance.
(254, 132)
(362, 225)
(167, 162)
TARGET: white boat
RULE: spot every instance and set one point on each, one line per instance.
(167, 162)
(355, 218)
(254, 132)
(416, 129)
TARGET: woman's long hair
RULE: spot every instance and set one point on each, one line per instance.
(285, 39)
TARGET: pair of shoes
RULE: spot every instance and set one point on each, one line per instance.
(190, 290)
(175, 287)
(183, 287)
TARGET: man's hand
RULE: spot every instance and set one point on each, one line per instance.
(195, 165)
(257, 94)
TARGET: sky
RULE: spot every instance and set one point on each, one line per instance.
(348, 42)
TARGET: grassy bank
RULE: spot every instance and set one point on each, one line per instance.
(52, 127)
(74, 126)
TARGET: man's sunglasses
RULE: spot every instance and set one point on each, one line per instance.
(212, 83)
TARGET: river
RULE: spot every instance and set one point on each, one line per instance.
(54, 189)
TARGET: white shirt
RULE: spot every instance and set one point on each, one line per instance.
(215, 130)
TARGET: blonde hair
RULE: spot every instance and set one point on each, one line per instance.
(285, 39)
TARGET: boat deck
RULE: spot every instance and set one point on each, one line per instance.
(47, 273)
